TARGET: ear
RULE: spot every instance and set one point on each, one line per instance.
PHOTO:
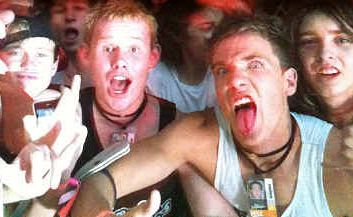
(54, 67)
(290, 78)
(154, 56)
(82, 56)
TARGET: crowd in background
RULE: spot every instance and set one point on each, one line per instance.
(176, 108)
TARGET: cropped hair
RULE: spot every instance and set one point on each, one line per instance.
(270, 28)
(305, 100)
(120, 9)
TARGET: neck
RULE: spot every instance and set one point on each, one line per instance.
(192, 72)
(123, 119)
(267, 162)
(273, 139)
(339, 111)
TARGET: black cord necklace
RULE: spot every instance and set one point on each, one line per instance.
(288, 146)
(135, 114)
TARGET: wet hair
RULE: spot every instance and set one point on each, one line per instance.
(305, 100)
(120, 9)
(270, 28)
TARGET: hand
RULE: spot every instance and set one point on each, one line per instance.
(35, 170)
(65, 113)
(16, 104)
(146, 208)
(6, 17)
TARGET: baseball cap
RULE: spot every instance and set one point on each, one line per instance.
(26, 27)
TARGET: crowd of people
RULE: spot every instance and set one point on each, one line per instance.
(176, 108)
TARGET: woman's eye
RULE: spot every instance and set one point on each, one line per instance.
(307, 42)
(343, 40)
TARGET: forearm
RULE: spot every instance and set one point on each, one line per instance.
(96, 194)
(145, 165)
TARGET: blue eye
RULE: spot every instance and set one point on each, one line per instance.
(220, 71)
(134, 50)
(255, 65)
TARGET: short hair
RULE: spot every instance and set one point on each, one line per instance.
(305, 101)
(270, 28)
(251, 185)
(120, 9)
(90, 3)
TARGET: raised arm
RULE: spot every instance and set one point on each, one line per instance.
(191, 139)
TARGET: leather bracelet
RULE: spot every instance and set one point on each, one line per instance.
(105, 213)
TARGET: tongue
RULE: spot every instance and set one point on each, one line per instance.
(119, 85)
(245, 119)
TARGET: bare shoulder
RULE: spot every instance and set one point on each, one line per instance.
(194, 124)
(338, 171)
(194, 138)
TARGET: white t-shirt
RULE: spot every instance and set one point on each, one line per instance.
(164, 83)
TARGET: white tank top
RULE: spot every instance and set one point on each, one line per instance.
(309, 197)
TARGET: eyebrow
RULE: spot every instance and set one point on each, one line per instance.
(334, 32)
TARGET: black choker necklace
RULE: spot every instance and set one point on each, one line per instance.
(287, 146)
(135, 115)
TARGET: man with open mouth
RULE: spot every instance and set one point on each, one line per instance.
(67, 19)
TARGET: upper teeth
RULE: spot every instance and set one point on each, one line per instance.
(242, 101)
(119, 77)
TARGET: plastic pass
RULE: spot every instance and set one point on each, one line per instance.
(261, 197)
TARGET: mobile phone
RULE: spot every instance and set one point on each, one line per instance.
(22, 8)
(45, 108)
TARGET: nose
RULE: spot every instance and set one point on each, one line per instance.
(25, 60)
(117, 59)
(326, 53)
(238, 79)
(69, 15)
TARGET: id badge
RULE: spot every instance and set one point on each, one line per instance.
(261, 197)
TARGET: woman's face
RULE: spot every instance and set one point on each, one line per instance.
(326, 54)
(199, 29)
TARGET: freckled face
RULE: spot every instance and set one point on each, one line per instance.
(120, 57)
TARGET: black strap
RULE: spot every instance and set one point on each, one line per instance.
(106, 172)
(167, 112)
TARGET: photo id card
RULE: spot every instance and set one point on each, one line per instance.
(261, 197)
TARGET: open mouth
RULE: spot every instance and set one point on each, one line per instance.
(329, 71)
(71, 33)
(120, 84)
(245, 114)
